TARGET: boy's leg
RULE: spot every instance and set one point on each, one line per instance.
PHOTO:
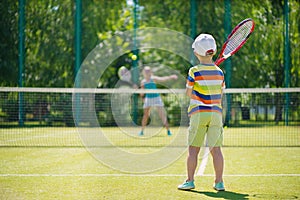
(215, 141)
(192, 162)
(218, 162)
(197, 130)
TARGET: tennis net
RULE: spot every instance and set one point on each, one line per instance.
(57, 116)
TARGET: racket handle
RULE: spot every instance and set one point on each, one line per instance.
(220, 60)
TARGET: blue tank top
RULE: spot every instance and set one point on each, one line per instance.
(150, 85)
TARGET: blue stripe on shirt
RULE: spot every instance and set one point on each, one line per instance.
(208, 72)
(205, 108)
(190, 79)
(207, 97)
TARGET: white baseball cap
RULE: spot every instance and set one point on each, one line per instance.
(205, 45)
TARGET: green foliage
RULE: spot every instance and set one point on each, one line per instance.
(8, 43)
(295, 44)
(49, 43)
(50, 38)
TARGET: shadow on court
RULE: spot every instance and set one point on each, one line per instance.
(223, 194)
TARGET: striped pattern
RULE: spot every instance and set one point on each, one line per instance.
(207, 82)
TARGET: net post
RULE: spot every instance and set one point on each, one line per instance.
(227, 62)
(21, 57)
(286, 59)
(135, 72)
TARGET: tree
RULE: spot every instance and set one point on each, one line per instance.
(9, 43)
(49, 44)
(50, 34)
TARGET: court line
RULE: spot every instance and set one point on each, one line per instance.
(144, 175)
(204, 161)
(29, 137)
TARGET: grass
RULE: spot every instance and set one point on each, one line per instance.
(29, 169)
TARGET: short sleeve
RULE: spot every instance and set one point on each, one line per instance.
(190, 79)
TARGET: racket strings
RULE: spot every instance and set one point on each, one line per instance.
(238, 37)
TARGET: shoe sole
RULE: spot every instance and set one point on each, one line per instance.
(219, 189)
(186, 188)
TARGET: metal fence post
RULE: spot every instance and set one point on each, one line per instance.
(135, 70)
(77, 77)
(227, 63)
(286, 59)
(193, 26)
(21, 58)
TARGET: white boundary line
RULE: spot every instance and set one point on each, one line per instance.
(203, 162)
(32, 137)
(144, 175)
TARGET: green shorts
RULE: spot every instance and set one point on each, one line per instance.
(207, 124)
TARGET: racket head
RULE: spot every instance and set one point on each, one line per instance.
(124, 74)
(236, 39)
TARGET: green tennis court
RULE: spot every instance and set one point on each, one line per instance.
(32, 168)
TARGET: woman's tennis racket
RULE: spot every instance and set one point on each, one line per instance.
(236, 39)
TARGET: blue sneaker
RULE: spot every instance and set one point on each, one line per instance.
(141, 133)
(169, 133)
(188, 185)
(219, 186)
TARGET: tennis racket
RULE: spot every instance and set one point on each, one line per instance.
(124, 74)
(236, 39)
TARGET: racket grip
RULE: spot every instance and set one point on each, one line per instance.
(219, 61)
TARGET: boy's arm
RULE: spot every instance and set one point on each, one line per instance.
(164, 78)
(223, 88)
(189, 91)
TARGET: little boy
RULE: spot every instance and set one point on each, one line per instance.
(205, 84)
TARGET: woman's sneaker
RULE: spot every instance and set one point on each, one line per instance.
(188, 185)
(219, 186)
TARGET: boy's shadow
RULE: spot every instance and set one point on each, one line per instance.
(223, 194)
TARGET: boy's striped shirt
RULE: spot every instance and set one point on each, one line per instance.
(207, 82)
